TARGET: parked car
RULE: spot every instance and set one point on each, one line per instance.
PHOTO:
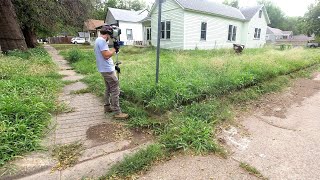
(78, 40)
(313, 44)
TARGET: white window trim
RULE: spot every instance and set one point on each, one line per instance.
(131, 34)
(258, 33)
(260, 14)
(206, 30)
(165, 30)
(233, 26)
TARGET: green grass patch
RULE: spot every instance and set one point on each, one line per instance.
(252, 170)
(29, 89)
(141, 160)
(70, 46)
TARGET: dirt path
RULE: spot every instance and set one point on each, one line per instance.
(104, 140)
(280, 138)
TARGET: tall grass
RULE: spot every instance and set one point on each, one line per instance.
(28, 90)
(190, 76)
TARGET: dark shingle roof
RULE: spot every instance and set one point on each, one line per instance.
(212, 8)
(249, 12)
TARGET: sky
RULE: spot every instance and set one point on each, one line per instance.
(289, 7)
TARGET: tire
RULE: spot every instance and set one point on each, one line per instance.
(75, 42)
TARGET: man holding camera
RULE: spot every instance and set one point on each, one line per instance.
(106, 67)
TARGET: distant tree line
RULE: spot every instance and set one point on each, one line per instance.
(100, 6)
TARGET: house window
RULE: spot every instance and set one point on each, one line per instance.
(232, 33)
(168, 29)
(260, 13)
(165, 30)
(203, 31)
(129, 34)
(257, 33)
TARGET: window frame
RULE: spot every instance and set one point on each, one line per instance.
(260, 13)
(164, 30)
(257, 33)
(203, 30)
(128, 34)
(148, 33)
(168, 31)
(232, 33)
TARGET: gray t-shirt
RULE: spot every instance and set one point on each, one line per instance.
(103, 65)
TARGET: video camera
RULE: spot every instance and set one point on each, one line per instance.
(116, 31)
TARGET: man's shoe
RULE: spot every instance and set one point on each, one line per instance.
(121, 116)
(107, 109)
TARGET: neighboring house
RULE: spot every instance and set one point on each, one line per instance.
(273, 34)
(305, 38)
(134, 25)
(90, 32)
(191, 24)
(287, 34)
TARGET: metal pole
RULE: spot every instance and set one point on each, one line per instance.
(158, 40)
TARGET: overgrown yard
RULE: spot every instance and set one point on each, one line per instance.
(28, 91)
(197, 89)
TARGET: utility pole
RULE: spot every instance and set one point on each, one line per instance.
(158, 39)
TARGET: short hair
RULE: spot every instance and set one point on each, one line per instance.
(106, 29)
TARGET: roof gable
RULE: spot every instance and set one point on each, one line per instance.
(274, 31)
(127, 15)
(249, 12)
(91, 24)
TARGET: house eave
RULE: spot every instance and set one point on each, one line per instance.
(214, 14)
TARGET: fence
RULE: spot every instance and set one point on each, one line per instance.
(60, 40)
(293, 42)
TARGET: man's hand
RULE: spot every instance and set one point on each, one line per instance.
(116, 46)
(117, 68)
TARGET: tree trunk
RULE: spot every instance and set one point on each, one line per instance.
(11, 36)
(30, 37)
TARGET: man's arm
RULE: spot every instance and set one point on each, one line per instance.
(108, 53)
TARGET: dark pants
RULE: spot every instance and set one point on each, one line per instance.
(112, 91)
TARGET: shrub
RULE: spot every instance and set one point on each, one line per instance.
(74, 55)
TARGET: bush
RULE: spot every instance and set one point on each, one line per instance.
(74, 55)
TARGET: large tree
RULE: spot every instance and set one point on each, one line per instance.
(10, 34)
(276, 15)
(233, 3)
(312, 18)
(100, 7)
(47, 18)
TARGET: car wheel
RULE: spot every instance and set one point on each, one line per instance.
(313, 46)
(76, 42)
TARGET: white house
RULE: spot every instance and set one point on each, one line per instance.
(131, 24)
(191, 24)
(274, 34)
